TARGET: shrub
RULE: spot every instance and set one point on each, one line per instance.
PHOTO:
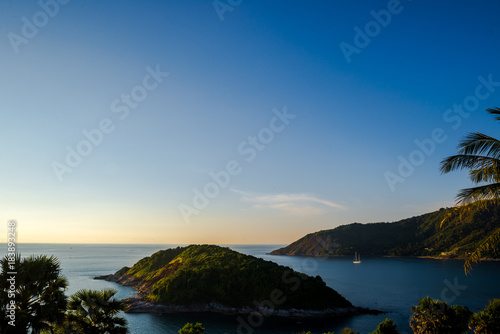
(386, 327)
(432, 316)
(349, 331)
(190, 328)
(488, 320)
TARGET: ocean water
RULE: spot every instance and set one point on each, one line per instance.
(392, 285)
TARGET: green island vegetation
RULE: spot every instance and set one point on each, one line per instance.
(202, 274)
(190, 328)
(423, 235)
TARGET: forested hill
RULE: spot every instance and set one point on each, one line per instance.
(416, 236)
(205, 274)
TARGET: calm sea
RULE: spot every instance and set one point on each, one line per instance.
(388, 284)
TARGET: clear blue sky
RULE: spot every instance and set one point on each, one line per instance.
(310, 104)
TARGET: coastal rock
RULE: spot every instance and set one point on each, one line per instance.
(138, 304)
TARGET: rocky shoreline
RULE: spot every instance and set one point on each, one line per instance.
(139, 304)
(435, 257)
(486, 259)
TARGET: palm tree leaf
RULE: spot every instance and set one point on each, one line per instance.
(490, 244)
(40, 292)
(451, 214)
(462, 161)
(478, 144)
(480, 154)
(459, 211)
(485, 174)
(481, 193)
(494, 111)
(97, 308)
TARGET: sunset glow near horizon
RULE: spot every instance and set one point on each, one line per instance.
(235, 122)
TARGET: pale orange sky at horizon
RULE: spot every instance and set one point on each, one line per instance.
(134, 227)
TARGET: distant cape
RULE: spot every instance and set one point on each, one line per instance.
(416, 236)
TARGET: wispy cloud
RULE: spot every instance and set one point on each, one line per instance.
(297, 204)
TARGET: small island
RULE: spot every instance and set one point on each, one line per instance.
(209, 278)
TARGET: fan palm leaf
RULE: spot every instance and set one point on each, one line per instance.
(94, 311)
(39, 294)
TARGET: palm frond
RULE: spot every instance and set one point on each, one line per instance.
(485, 174)
(481, 193)
(480, 144)
(461, 210)
(480, 154)
(494, 111)
(490, 244)
(450, 215)
(462, 161)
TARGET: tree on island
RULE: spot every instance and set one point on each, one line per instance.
(386, 327)
(348, 330)
(432, 316)
(190, 328)
(37, 289)
(487, 321)
(480, 154)
(95, 312)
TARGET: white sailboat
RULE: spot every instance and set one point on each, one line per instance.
(357, 258)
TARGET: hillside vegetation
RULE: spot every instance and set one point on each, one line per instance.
(202, 274)
(416, 236)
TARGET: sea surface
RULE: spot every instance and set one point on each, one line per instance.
(392, 285)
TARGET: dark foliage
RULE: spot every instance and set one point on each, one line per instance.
(386, 327)
(487, 321)
(40, 302)
(432, 316)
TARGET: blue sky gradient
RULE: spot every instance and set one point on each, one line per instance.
(354, 118)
